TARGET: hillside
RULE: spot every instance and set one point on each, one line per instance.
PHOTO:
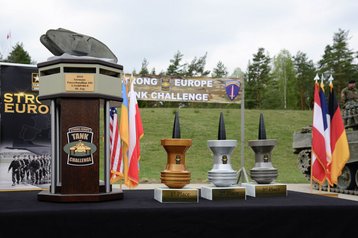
(202, 124)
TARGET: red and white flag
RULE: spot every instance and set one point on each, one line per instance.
(136, 132)
(115, 144)
(321, 150)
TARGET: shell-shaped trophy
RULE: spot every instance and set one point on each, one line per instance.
(175, 174)
(222, 174)
(263, 172)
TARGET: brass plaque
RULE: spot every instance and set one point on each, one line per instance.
(178, 195)
(228, 193)
(271, 190)
(79, 82)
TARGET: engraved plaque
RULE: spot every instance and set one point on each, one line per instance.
(184, 195)
(79, 82)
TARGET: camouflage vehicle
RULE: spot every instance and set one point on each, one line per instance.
(348, 181)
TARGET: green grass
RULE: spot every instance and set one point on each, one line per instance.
(201, 125)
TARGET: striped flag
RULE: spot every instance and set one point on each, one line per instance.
(115, 144)
(320, 137)
(136, 132)
(339, 142)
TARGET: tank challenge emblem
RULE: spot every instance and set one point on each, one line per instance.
(232, 88)
(165, 84)
(80, 148)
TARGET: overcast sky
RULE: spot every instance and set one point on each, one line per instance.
(230, 31)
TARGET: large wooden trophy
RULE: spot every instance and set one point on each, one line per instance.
(81, 85)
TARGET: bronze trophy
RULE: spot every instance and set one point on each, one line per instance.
(175, 175)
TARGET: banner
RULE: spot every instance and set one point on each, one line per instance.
(177, 89)
(25, 136)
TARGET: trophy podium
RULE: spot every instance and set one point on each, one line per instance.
(263, 173)
(80, 89)
(175, 175)
(222, 176)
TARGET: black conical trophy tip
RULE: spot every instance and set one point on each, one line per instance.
(176, 127)
(222, 131)
(262, 130)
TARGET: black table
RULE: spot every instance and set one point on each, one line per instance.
(139, 215)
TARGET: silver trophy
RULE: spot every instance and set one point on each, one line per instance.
(263, 172)
(222, 174)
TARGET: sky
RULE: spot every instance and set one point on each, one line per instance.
(230, 31)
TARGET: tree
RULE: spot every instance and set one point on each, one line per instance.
(19, 55)
(197, 67)
(176, 68)
(285, 95)
(305, 73)
(338, 61)
(220, 71)
(144, 69)
(152, 72)
(257, 79)
(238, 73)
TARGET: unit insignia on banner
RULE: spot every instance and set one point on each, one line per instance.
(232, 88)
(35, 81)
(80, 148)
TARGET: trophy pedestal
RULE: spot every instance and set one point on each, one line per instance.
(223, 193)
(46, 196)
(265, 190)
(170, 195)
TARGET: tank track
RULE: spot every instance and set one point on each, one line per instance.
(304, 164)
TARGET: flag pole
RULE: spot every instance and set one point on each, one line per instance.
(242, 172)
(316, 78)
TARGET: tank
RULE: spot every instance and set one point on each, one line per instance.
(302, 140)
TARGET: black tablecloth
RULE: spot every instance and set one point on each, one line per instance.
(139, 215)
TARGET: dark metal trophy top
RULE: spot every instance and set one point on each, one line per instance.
(221, 131)
(262, 130)
(176, 127)
(63, 41)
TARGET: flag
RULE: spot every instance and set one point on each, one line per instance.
(115, 146)
(339, 142)
(136, 132)
(123, 129)
(319, 163)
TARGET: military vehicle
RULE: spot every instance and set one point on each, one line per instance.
(348, 181)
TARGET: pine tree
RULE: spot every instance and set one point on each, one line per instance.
(176, 68)
(257, 79)
(144, 69)
(305, 73)
(338, 61)
(19, 55)
(220, 71)
(197, 67)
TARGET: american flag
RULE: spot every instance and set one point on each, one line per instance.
(115, 142)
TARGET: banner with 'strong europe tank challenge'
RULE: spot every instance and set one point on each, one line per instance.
(176, 89)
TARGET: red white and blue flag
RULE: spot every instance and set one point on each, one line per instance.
(115, 145)
(321, 148)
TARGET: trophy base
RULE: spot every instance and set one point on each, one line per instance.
(265, 190)
(170, 195)
(223, 193)
(46, 196)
